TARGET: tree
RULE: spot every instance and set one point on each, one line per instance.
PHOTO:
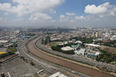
(47, 40)
(32, 63)
(43, 41)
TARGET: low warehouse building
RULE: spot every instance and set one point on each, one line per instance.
(58, 74)
(67, 48)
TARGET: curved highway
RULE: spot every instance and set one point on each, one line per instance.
(66, 63)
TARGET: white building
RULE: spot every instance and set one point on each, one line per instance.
(65, 42)
(113, 37)
(80, 51)
(67, 48)
(58, 74)
(97, 53)
(93, 54)
(3, 41)
(80, 42)
(92, 45)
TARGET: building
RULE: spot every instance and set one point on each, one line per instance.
(113, 37)
(80, 51)
(93, 34)
(93, 54)
(67, 48)
(96, 34)
(92, 46)
(58, 74)
(3, 41)
(79, 42)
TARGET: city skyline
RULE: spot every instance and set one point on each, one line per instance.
(77, 13)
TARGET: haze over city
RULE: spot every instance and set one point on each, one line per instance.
(95, 13)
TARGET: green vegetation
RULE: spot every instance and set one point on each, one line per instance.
(32, 63)
(60, 40)
(111, 43)
(58, 48)
(35, 75)
(11, 51)
(23, 57)
(54, 44)
(6, 54)
(46, 40)
(98, 42)
(106, 57)
(30, 34)
(84, 39)
(1, 46)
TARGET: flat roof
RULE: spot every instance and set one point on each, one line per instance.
(67, 48)
(94, 45)
(58, 74)
(3, 41)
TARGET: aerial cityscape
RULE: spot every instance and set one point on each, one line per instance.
(57, 38)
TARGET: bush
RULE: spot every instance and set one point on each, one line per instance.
(12, 51)
(32, 63)
(106, 57)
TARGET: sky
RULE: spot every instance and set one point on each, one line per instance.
(79, 13)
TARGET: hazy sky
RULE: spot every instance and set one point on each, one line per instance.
(58, 13)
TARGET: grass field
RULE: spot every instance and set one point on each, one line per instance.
(54, 44)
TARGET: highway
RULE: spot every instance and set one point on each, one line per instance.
(63, 62)
(48, 66)
(39, 63)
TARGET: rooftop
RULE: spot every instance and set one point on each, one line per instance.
(58, 74)
(67, 48)
(94, 45)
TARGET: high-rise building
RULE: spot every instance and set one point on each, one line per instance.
(93, 34)
(96, 34)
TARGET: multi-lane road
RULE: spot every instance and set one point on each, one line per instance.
(63, 62)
